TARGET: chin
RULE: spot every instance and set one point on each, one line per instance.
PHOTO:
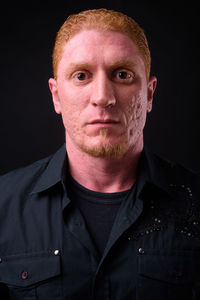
(106, 150)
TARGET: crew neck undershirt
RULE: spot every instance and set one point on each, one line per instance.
(98, 209)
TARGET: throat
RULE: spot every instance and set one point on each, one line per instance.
(106, 175)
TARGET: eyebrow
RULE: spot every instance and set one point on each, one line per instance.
(81, 65)
(122, 63)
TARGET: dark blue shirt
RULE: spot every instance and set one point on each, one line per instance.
(153, 250)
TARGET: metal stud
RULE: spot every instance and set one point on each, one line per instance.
(56, 252)
(141, 250)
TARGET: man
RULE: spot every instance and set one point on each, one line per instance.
(103, 218)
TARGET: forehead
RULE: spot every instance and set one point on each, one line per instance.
(99, 46)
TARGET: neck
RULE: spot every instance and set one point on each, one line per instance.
(104, 174)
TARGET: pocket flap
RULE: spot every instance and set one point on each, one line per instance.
(173, 267)
(28, 269)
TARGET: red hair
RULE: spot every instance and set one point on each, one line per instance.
(101, 19)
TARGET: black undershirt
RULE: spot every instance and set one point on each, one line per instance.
(98, 209)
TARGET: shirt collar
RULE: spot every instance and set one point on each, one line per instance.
(153, 171)
(53, 172)
(150, 171)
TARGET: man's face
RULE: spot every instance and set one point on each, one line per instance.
(102, 93)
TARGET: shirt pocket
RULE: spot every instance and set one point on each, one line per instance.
(169, 275)
(32, 276)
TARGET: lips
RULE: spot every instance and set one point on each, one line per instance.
(106, 121)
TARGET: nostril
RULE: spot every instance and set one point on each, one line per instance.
(104, 103)
(110, 105)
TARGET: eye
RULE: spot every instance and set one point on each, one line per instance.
(80, 76)
(124, 76)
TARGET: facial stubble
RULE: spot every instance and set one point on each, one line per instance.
(106, 149)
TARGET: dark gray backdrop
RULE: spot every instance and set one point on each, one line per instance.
(29, 128)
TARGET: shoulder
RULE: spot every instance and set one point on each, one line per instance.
(174, 173)
(22, 178)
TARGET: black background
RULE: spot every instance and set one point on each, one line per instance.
(29, 127)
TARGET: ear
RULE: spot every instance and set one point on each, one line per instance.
(151, 86)
(54, 92)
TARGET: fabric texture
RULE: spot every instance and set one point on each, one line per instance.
(152, 251)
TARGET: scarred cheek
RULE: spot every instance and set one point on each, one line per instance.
(136, 115)
(138, 109)
(135, 108)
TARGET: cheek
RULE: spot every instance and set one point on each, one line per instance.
(71, 108)
(136, 111)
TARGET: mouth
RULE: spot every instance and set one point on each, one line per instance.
(103, 122)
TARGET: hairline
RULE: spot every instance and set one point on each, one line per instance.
(101, 29)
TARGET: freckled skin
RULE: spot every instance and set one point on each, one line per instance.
(82, 101)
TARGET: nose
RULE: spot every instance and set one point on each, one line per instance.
(103, 92)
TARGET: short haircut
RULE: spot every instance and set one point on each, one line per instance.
(101, 19)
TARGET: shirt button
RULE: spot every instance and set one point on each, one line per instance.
(141, 250)
(56, 252)
(24, 275)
